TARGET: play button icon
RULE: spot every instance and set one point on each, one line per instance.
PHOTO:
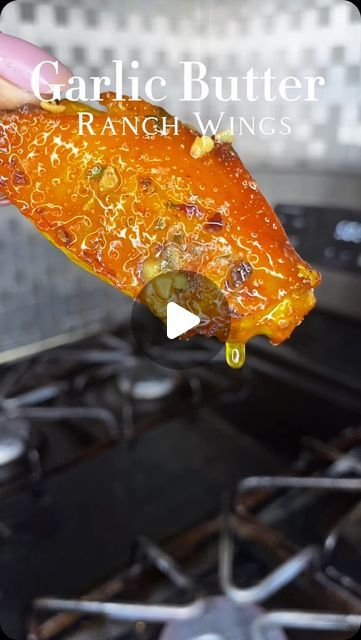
(179, 320)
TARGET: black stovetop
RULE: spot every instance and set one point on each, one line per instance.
(168, 469)
(79, 525)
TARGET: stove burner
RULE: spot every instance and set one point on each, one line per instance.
(235, 613)
(11, 449)
(14, 449)
(66, 420)
(222, 619)
(148, 382)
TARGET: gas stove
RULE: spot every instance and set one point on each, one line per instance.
(142, 502)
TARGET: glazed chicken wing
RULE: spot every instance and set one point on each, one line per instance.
(128, 207)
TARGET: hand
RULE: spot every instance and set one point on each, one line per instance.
(18, 59)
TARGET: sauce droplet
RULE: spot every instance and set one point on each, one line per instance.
(235, 355)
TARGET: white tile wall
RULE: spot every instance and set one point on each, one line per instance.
(294, 37)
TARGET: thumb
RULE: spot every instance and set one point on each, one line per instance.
(18, 59)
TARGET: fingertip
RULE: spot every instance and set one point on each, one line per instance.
(4, 202)
(18, 59)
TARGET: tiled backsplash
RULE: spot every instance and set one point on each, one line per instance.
(293, 37)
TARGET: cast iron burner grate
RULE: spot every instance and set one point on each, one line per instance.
(283, 535)
(76, 402)
(229, 611)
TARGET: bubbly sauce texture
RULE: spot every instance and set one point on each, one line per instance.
(129, 207)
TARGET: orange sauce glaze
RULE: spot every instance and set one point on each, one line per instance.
(128, 207)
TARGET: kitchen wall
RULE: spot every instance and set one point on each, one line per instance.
(298, 37)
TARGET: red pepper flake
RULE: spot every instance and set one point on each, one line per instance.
(239, 273)
(215, 223)
(45, 212)
(19, 177)
(146, 184)
(65, 236)
(40, 211)
(225, 151)
(192, 210)
(29, 108)
(92, 258)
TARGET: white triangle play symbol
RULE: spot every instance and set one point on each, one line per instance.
(179, 320)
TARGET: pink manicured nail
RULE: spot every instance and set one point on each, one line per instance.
(18, 58)
(4, 202)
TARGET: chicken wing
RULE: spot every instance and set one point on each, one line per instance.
(128, 207)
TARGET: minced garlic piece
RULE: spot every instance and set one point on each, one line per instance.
(201, 146)
(109, 180)
(151, 268)
(163, 285)
(52, 107)
(225, 136)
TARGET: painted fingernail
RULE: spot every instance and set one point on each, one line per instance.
(18, 58)
(4, 202)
